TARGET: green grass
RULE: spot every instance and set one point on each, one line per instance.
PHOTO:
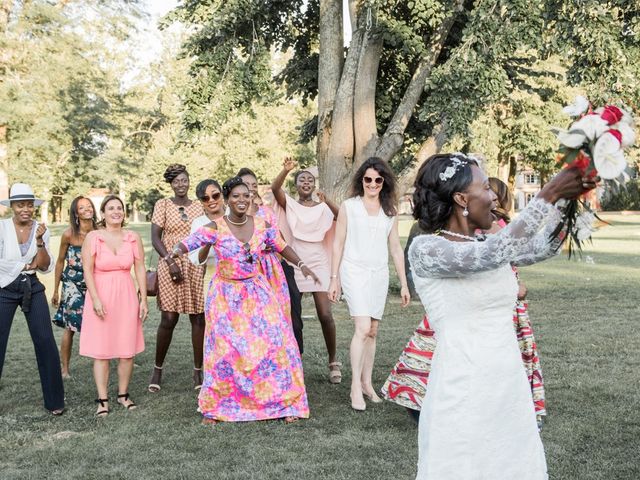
(586, 318)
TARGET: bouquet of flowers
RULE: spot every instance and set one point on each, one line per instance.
(595, 144)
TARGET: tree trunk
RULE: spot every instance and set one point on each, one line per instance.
(4, 167)
(513, 171)
(430, 146)
(347, 129)
(5, 12)
(364, 107)
(335, 171)
(329, 70)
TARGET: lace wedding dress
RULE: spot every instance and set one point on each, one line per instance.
(478, 420)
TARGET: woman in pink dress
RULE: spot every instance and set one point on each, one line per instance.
(113, 315)
(309, 229)
(252, 367)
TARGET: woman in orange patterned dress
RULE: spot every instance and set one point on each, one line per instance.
(179, 281)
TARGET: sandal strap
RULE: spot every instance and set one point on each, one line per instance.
(335, 364)
(101, 401)
(124, 395)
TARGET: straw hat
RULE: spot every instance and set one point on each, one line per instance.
(21, 192)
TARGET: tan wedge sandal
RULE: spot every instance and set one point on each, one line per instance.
(335, 375)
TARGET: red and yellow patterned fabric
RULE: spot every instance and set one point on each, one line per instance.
(407, 383)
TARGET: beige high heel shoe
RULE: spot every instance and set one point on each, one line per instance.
(371, 396)
(358, 407)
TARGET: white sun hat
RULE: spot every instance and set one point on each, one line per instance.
(21, 192)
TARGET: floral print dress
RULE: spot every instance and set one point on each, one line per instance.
(69, 314)
(252, 367)
(271, 266)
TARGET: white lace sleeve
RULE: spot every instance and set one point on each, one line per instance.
(524, 241)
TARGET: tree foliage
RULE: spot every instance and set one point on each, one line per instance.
(476, 55)
(60, 95)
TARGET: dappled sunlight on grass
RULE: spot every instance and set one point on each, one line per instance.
(585, 317)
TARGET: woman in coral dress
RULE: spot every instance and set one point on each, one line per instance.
(113, 315)
(252, 366)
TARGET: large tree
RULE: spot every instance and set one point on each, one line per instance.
(61, 101)
(415, 74)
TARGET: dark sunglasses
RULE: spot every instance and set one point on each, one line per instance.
(247, 251)
(378, 180)
(214, 196)
(183, 215)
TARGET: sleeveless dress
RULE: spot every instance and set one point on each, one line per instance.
(364, 269)
(478, 419)
(69, 313)
(119, 334)
(252, 366)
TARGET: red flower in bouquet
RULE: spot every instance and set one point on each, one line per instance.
(611, 114)
(581, 162)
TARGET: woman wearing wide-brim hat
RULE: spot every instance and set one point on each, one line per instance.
(24, 250)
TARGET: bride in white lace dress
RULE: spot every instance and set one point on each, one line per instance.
(478, 421)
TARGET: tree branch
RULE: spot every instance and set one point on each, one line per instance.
(393, 137)
(353, 14)
(330, 63)
(364, 108)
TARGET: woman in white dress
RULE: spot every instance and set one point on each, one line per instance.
(366, 231)
(478, 420)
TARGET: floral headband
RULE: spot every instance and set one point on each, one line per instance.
(458, 161)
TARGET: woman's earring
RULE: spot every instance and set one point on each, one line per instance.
(465, 212)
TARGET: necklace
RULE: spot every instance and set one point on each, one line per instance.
(21, 230)
(246, 219)
(458, 235)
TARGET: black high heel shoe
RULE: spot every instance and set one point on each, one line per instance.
(105, 411)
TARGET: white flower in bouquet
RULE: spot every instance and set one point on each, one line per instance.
(586, 129)
(578, 107)
(627, 132)
(608, 156)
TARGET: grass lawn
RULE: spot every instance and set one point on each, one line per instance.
(586, 318)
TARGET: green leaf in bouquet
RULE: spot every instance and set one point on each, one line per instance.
(571, 155)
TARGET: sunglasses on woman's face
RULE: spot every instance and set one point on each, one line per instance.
(183, 215)
(378, 180)
(247, 251)
(214, 196)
